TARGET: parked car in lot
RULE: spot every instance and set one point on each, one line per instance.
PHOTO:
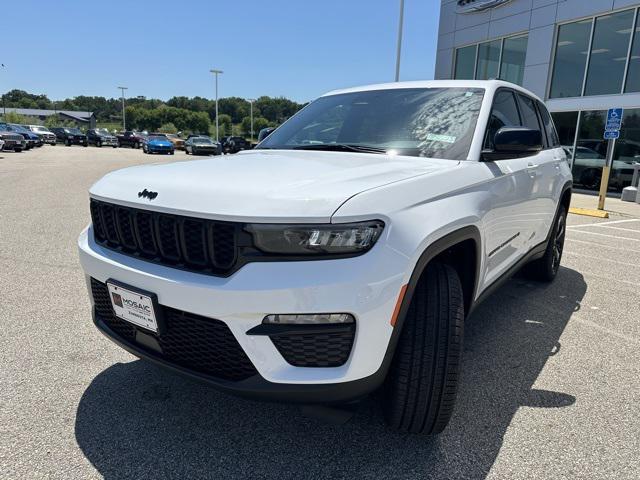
(234, 144)
(344, 253)
(130, 138)
(100, 137)
(31, 139)
(70, 136)
(264, 133)
(158, 143)
(202, 145)
(178, 143)
(46, 135)
(12, 140)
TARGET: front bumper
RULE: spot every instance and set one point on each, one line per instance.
(155, 149)
(365, 286)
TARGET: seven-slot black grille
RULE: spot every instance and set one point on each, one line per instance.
(201, 344)
(191, 243)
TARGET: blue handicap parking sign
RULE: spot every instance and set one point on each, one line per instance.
(614, 119)
(611, 134)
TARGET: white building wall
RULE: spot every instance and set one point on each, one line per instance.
(538, 17)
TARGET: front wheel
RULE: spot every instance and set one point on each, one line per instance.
(136, 145)
(421, 386)
(99, 144)
(546, 268)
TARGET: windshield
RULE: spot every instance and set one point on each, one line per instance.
(201, 140)
(75, 131)
(41, 129)
(102, 131)
(421, 122)
(157, 137)
(18, 128)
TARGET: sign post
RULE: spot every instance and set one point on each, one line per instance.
(611, 133)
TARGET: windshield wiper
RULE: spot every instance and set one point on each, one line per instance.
(341, 147)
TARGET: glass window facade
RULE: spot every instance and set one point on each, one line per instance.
(514, 51)
(466, 63)
(592, 56)
(609, 53)
(503, 58)
(488, 60)
(633, 73)
(571, 58)
(588, 149)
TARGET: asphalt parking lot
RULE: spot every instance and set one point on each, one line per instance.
(550, 385)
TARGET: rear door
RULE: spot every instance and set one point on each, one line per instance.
(554, 178)
(508, 225)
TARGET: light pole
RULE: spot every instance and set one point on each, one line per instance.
(216, 73)
(4, 104)
(399, 40)
(251, 100)
(124, 117)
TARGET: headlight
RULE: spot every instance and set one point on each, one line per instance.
(348, 238)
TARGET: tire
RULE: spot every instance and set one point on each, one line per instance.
(67, 143)
(17, 150)
(546, 268)
(99, 144)
(136, 145)
(421, 386)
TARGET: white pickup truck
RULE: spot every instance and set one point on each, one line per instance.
(343, 254)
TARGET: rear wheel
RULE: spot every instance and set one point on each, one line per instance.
(420, 389)
(546, 268)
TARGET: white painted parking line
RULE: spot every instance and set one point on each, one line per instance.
(608, 260)
(595, 244)
(618, 228)
(609, 236)
(604, 224)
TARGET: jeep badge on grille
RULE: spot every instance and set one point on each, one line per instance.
(147, 194)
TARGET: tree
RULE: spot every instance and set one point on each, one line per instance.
(13, 117)
(224, 124)
(168, 128)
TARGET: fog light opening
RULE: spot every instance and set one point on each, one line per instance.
(309, 319)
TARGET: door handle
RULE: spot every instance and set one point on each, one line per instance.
(532, 165)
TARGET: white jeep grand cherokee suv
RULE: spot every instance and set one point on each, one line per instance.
(340, 256)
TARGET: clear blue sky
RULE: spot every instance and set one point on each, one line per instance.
(293, 48)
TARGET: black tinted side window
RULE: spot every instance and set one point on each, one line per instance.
(552, 134)
(529, 114)
(504, 113)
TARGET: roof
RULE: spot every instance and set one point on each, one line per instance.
(486, 84)
(37, 112)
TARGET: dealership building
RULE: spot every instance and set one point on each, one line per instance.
(581, 56)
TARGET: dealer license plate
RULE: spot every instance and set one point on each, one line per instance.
(134, 307)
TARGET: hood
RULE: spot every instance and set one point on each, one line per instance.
(158, 141)
(261, 185)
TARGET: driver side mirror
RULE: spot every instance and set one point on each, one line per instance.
(514, 142)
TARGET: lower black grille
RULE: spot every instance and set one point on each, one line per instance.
(316, 349)
(201, 344)
(185, 242)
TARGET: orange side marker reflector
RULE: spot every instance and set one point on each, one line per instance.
(396, 311)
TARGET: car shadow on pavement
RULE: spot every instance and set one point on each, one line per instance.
(136, 420)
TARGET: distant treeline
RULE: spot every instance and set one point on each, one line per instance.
(186, 113)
